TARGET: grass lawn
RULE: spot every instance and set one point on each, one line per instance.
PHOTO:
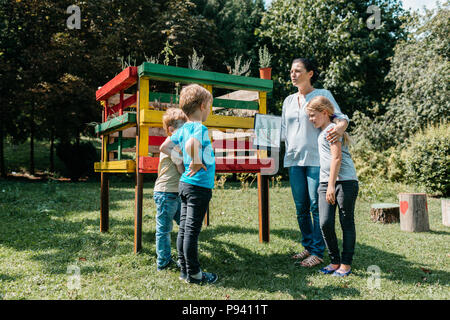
(47, 227)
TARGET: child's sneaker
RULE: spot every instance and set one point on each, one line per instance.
(183, 275)
(207, 277)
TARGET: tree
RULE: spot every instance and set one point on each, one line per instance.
(236, 22)
(351, 57)
(420, 71)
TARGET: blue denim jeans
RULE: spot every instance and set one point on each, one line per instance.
(168, 206)
(304, 182)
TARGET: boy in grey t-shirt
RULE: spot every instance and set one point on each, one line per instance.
(338, 187)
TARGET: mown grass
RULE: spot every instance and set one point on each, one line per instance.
(48, 226)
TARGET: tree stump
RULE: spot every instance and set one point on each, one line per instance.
(385, 212)
(413, 212)
(445, 204)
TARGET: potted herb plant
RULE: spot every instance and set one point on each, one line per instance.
(265, 71)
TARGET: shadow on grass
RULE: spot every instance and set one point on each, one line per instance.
(39, 220)
(243, 268)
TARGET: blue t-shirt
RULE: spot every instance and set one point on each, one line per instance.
(198, 131)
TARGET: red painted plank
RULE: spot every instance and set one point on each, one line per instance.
(122, 81)
(156, 140)
(150, 165)
(126, 103)
(232, 144)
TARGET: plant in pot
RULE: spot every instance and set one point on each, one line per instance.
(265, 71)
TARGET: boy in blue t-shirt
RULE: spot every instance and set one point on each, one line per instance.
(197, 181)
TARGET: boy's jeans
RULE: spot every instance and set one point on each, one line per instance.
(168, 206)
(194, 203)
(304, 182)
(346, 193)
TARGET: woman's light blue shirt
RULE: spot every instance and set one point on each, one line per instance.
(298, 132)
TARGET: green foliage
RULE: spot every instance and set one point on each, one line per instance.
(240, 68)
(352, 59)
(264, 57)
(427, 159)
(421, 73)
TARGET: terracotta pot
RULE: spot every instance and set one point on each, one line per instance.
(265, 73)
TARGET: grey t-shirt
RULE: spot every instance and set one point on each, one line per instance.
(347, 170)
(298, 132)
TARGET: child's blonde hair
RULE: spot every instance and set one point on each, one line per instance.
(192, 97)
(321, 103)
(173, 117)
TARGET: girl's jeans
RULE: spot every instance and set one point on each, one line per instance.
(168, 206)
(346, 193)
(304, 182)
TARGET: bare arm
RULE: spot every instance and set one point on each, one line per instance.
(192, 147)
(338, 131)
(174, 152)
(335, 165)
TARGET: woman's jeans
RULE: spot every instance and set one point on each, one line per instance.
(346, 193)
(304, 182)
(194, 203)
(168, 206)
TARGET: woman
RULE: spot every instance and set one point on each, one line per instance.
(302, 156)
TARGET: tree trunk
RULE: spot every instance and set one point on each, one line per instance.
(52, 151)
(32, 140)
(385, 212)
(413, 212)
(2, 153)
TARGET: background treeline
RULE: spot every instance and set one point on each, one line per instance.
(391, 80)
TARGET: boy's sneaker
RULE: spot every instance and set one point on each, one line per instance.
(207, 277)
(171, 265)
(183, 275)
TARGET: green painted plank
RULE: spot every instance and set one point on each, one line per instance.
(164, 97)
(216, 79)
(126, 143)
(235, 104)
(221, 103)
(118, 123)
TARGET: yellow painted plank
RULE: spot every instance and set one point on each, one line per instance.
(210, 89)
(153, 118)
(143, 93)
(115, 166)
(262, 102)
(143, 140)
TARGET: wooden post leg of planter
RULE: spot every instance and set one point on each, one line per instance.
(138, 212)
(263, 207)
(413, 212)
(207, 217)
(445, 212)
(104, 202)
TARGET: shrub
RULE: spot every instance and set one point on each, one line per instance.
(78, 159)
(427, 159)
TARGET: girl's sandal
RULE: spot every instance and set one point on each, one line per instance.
(311, 261)
(328, 269)
(302, 255)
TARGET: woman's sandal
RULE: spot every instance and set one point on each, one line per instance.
(311, 261)
(302, 255)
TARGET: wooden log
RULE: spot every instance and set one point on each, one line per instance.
(413, 212)
(445, 203)
(385, 213)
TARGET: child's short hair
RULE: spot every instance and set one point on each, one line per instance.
(192, 97)
(321, 103)
(173, 117)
